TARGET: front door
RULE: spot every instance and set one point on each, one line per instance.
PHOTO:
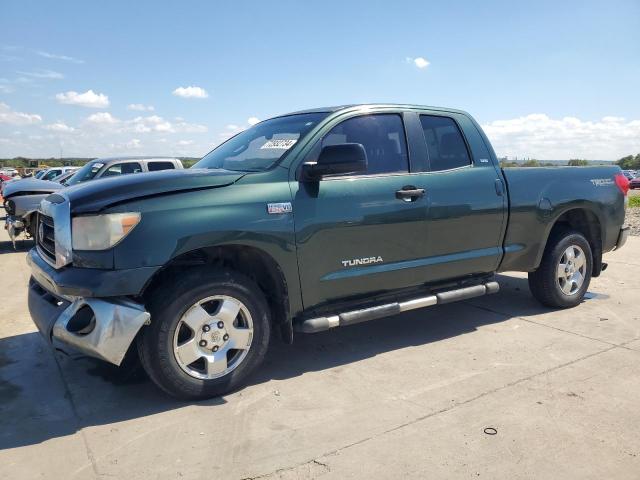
(357, 235)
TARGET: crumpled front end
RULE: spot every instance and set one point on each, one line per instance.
(100, 328)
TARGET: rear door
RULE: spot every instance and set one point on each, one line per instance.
(464, 194)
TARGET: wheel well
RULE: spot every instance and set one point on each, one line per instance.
(250, 261)
(587, 223)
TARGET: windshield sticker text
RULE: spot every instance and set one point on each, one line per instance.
(283, 144)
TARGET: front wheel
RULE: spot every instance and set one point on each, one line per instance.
(564, 273)
(206, 335)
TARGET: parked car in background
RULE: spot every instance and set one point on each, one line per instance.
(630, 174)
(4, 178)
(634, 183)
(53, 172)
(22, 198)
(9, 171)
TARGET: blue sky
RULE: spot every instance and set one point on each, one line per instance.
(547, 79)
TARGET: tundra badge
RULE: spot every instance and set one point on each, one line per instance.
(361, 261)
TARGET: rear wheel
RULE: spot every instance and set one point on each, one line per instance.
(564, 273)
(206, 336)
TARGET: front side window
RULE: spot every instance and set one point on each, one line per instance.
(382, 137)
(122, 169)
(261, 146)
(445, 144)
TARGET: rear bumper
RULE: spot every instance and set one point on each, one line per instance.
(622, 236)
(99, 328)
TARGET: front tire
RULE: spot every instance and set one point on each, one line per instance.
(206, 335)
(564, 273)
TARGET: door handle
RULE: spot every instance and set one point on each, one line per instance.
(410, 193)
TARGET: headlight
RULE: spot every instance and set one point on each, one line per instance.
(100, 232)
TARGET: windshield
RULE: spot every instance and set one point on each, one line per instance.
(261, 146)
(85, 173)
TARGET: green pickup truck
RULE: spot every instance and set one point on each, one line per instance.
(305, 222)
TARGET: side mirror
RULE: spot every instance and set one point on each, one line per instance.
(336, 160)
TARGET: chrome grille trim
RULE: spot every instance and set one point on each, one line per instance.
(53, 239)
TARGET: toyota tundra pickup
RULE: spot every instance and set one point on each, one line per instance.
(305, 222)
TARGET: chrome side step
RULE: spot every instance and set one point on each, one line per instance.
(319, 324)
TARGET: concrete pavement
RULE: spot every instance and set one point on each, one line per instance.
(408, 397)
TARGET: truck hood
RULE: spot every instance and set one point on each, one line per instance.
(30, 185)
(95, 195)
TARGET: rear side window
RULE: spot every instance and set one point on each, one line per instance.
(156, 166)
(122, 169)
(445, 144)
(382, 137)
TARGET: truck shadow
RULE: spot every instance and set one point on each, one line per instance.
(41, 399)
(21, 246)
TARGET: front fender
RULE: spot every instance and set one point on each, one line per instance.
(175, 225)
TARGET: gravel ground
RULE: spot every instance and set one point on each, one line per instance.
(633, 219)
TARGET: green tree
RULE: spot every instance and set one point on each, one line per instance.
(577, 162)
(629, 162)
(531, 163)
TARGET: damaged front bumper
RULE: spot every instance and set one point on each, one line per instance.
(98, 327)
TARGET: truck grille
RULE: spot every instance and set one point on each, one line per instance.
(45, 238)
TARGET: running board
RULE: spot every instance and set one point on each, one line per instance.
(319, 324)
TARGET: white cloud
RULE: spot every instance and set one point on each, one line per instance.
(545, 138)
(419, 62)
(17, 118)
(44, 74)
(190, 92)
(253, 120)
(139, 107)
(149, 124)
(185, 127)
(88, 99)
(100, 133)
(53, 56)
(102, 118)
(232, 126)
(133, 143)
(59, 127)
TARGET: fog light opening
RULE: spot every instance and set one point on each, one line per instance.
(83, 322)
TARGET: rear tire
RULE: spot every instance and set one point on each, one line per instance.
(221, 321)
(564, 273)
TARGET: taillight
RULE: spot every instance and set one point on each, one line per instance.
(622, 182)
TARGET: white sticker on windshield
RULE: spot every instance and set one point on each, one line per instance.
(283, 144)
(97, 165)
